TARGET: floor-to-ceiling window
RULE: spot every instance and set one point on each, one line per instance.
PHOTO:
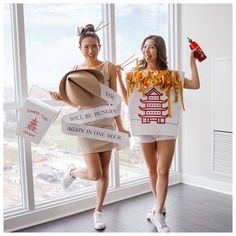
(51, 38)
(51, 49)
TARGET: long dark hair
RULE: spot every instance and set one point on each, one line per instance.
(88, 31)
(160, 45)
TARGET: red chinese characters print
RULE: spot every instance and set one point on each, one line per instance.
(32, 126)
(153, 107)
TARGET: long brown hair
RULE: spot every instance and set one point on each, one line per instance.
(160, 45)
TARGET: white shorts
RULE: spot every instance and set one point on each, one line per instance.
(154, 138)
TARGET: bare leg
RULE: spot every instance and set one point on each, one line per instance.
(93, 170)
(97, 169)
(103, 181)
(166, 150)
(149, 152)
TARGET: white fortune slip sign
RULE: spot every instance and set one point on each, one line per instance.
(75, 123)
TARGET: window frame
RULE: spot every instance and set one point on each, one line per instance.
(65, 205)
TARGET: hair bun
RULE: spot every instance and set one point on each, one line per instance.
(83, 30)
(89, 28)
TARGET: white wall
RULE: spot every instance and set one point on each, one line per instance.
(211, 26)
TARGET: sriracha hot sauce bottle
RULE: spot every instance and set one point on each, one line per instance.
(199, 54)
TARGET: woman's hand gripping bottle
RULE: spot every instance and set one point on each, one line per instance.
(199, 54)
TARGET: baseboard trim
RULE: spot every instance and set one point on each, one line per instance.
(210, 184)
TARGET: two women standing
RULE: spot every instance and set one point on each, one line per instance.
(158, 150)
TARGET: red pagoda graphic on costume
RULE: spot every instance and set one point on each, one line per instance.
(153, 108)
(32, 125)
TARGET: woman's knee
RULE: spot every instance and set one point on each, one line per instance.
(163, 171)
(105, 173)
(99, 175)
(95, 175)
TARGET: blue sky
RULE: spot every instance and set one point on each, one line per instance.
(51, 41)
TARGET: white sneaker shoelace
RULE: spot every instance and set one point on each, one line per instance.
(99, 222)
(159, 221)
(149, 214)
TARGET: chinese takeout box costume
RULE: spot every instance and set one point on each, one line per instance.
(155, 99)
(36, 117)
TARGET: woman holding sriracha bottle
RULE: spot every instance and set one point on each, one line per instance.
(158, 150)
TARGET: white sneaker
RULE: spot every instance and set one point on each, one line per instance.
(159, 221)
(149, 214)
(98, 220)
(67, 180)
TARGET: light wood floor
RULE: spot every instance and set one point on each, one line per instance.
(189, 209)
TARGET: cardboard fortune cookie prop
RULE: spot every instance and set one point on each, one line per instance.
(80, 88)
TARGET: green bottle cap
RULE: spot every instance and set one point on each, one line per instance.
(189, 40)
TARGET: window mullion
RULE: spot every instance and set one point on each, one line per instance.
(177, 65)
(174, 49)
(171, 36)
(20, 76)
(109, 32)
(19, 55)
(108, 13)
